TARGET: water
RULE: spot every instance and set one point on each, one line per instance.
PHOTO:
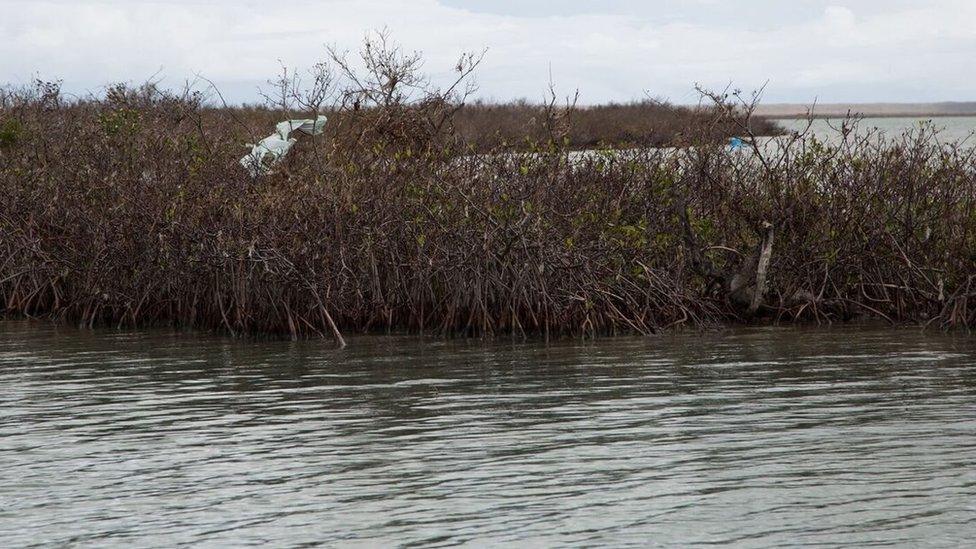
(951, 128)
(759, 438)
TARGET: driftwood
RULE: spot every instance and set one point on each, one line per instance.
(745, 287)
(765, 255)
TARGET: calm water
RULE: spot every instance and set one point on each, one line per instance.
(762, 437)
(952, 128)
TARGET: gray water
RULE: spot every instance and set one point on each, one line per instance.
(762, 437)
(949, 128)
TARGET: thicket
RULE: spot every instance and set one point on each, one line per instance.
(132, 210)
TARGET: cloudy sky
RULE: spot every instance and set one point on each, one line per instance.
(834, 50)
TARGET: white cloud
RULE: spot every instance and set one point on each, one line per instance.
(839, 50)
(839, 17)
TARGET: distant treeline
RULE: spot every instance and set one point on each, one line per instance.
(521, 125)
(133, 210)
(488, 126)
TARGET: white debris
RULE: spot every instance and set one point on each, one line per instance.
(270, 150)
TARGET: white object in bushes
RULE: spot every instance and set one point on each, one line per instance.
(270, 150)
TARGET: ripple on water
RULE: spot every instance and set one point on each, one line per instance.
(764, 437)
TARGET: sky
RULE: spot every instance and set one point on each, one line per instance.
(612, 50)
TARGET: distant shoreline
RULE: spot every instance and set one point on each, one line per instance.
(873, 110)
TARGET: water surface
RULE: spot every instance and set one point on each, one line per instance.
(949, 128)
(762, 437)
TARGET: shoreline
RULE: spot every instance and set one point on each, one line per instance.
(835, 116)
(867, 110)
(863, 324)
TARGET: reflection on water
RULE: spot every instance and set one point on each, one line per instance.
(761, 437)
